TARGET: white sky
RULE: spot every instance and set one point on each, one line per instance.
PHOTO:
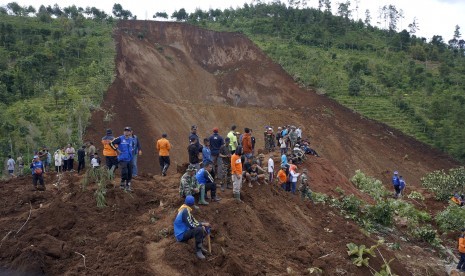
(435, 17)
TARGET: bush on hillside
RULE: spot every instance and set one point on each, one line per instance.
(369, 185)
(452, 218)
(381, 213)
(443, 184)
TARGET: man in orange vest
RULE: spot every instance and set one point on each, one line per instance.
(110, 154)
(164, 147)
(461, 264)
(236, 173)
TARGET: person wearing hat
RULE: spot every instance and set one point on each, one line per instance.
(225, 155)
(232, 139)
(216, 141)
(304, 189)
(187, 227)
(396, 184)
(163, 148)
(197, 138)
(193, 152)
(37, 169)
(109, 153)
(269, 139)
(189, 185)
(461, 247)
(124, 145)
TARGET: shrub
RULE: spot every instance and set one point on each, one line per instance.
(319, 197)
(452, 218)
(369, 185)
(443, 185)
(416, 195)
(381, 213)
(427, 234)
(407, 210)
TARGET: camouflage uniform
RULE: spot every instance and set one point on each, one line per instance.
(226, 168)
(269, 141)
(292, 138)
(305, 191)
(188, 184)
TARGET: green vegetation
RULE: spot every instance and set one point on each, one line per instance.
(54, 69)
(102, 177)
(359, 254)
(443, 184)
(393, 77)
(451, 218)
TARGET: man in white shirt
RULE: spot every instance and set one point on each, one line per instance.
(95, 162)
(271, 168)
(298, 131)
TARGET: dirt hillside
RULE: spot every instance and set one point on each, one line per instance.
(169, 77)
(173, 75)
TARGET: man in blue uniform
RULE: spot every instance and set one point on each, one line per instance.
(124, 145)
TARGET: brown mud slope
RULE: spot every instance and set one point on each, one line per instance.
(172, 75)
(270, 233)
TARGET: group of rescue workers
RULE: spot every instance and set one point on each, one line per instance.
(230, 162)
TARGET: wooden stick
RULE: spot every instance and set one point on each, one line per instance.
(209, 244)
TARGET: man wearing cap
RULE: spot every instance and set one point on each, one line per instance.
(193, 152)
(37, 169)
(396, 183)
(197, 138)
(216, 141)
(225, 155)
(110, 154)
(124, 145)
(189, 185)
(232, 139)
(187, 227)
(164, 147)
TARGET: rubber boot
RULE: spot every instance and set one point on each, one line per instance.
(237, 196)
(202, 196)
(122, 185)
(128, 187)
(199, 253)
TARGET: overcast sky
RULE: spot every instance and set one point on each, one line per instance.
(435, 17)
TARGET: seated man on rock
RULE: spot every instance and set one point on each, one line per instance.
(187, 227)
(255, 174)
(189, 184)
(207, 183)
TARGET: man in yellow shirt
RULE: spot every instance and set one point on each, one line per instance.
(164, 147)
(232, 139)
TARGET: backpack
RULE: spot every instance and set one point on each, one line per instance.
(38, 171)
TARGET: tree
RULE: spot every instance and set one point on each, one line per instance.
(161, 15)
(457, 34)
(327, 6)
(121, 13)
(180, 15)
(393, 16)
(413, 27)
(367, 17)
(15, 8)
(355, 86)
(320, 4)
(344, 10)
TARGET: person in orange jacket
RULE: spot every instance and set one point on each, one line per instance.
(282, 177)
(236, 173)
(110, 154)
(457, 199)
(164, 147)
(246, 144)
(461, 264)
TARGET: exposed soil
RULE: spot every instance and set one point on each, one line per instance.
(169, 77)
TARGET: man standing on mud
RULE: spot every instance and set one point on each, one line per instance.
(124, 145)
(236, 172)
(136, 151)
(216, 141)
(196, 137)
(164, 147)
(193, 152)
(110, 154)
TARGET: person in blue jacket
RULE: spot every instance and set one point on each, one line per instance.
(206, 152)
(396, 183)
(37, 168)
(207, 183)
(187, 227)
(137, 150)
(401, 185)
(216, 141)
(125, 151)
